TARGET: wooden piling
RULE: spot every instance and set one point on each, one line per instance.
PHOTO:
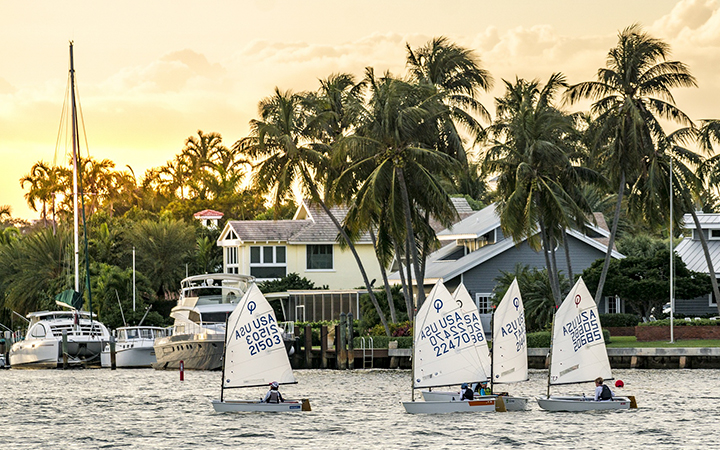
(351, 344)
(308, 347)
(323, 346)
(65, 349)
(683, 362)
(113, 356)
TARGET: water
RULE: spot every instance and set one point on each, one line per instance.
(99, 408)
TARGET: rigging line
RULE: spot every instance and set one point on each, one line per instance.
(63, 123)
(82, 118)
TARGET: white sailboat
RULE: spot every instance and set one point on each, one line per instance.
(445, 352)
(578, 354)
(508, 361)
(255, 356)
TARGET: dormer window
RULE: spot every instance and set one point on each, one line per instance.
(475, 244)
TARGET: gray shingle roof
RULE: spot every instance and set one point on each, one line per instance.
(691, 252)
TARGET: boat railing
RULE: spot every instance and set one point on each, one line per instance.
(78, 330)
(367, 351)
(288, 328)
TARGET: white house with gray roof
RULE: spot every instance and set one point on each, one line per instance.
(691, 252)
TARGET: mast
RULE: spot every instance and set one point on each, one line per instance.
(552, 334)
(492, 348)
(75, 139)
(672, 294)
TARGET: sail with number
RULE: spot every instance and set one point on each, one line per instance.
(462, 296)
(578, 348)
(510, 363)
(445, 339)
(255, 353)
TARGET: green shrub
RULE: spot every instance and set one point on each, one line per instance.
(681, 323)
(541, 339)
(619, 320)
(382, 341)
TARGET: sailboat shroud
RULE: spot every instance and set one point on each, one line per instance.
(255, 355)
(578, 354)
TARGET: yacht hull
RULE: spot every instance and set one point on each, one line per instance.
(257, 406)
(577, 403)
(197, 352)
(137, 356)
(511, 403)
(47, 353)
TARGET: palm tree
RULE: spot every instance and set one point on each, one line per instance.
(285, 141)
(529, 153)
(631, 95)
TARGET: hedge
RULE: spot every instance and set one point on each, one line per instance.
(382, 341)
(681, 323)
(619, 320)
(541, 339)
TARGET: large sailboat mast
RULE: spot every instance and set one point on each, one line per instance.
(75, 140)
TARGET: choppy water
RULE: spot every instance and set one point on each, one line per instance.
(99, 408)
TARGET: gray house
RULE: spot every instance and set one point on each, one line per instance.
(691, 252)
(476, 251)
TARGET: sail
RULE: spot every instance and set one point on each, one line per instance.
(578, 347)
(509, 338)
(444, 340)
(467, 305)
(255, 352)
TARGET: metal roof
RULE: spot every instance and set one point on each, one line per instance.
(691, 252)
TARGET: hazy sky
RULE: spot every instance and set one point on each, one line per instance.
(152, 73)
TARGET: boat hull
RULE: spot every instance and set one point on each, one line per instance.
(47, 353)
(197, 352)
(579, 404)
(257, 406)
(137, 356)
(511, 403)
(445, 407)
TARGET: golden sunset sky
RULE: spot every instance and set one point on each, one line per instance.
(151, 73)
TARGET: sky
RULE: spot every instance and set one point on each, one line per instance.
(152, 73)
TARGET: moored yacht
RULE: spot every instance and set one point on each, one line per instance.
(43, 343)
(198, 333)
(134, 347)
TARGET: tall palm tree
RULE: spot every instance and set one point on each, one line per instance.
(631, 96)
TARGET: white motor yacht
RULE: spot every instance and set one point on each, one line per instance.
(134, 347)
(42, 346)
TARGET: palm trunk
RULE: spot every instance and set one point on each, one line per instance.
(556, 272)
(708, 259)
(406, 291)
(411, 237)
(350, 245)
(548, 264)
(408, 267)
(383, 272)
(566, 245)
(611, 243)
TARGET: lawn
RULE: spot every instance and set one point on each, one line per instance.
(631, 341)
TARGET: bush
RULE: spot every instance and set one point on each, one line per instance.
(382, 341)
(681, 323)
(619, 320)
(541, 339)
(396, 329)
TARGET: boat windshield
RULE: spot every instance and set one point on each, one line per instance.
(215, 317)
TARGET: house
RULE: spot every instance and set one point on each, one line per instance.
(209, 218)
(691, 252)
(475, 251)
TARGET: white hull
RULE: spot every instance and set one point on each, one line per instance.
(578, 403)
(257, 406)
(137, 356)
(35, 354)
(485, 405)
(197, 351)
(511, 403)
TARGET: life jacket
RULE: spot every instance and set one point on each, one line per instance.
(467, 394)
(606, 394)
(274, 397)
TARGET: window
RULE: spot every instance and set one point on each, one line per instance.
(612, 305)
(38, 331)
(268, 261)
(714, 234)
(319, 257)
(231, 260)
(484, 303)
(712, 301)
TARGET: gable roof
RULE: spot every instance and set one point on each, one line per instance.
(690, 250)
(208, 214)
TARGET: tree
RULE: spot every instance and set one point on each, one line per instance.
(631, 96)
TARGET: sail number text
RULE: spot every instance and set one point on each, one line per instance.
(261, 334)
(452, 331)
(584, 329)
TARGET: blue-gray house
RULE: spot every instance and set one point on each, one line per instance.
(475, 251)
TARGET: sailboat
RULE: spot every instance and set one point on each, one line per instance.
(578, 354)
(445, 352)
(255, 356)
(508, 361)
(43, 343)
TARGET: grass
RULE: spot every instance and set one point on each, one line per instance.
(631, 341)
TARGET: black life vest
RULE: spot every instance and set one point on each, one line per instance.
(467, 394)
(606, 394)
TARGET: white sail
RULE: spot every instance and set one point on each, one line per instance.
(509, 338)
(578, 347)
(467, 305)
(444, 339)
(255, 352)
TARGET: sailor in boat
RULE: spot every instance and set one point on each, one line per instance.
(483, 388)
(467, 392)
(602, 392)
(273, 395)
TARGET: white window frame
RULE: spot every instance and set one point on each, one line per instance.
(231, 260)
(332, 249)
(616, 301)
(264, 263)
(710, 301)
(487, 296)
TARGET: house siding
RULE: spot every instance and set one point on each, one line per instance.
(699, 306)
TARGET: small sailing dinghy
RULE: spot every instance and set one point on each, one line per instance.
(507, 363)
(255, 356)
(445, 353)
(578, 355)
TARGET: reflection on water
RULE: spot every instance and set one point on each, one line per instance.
(99, 408)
